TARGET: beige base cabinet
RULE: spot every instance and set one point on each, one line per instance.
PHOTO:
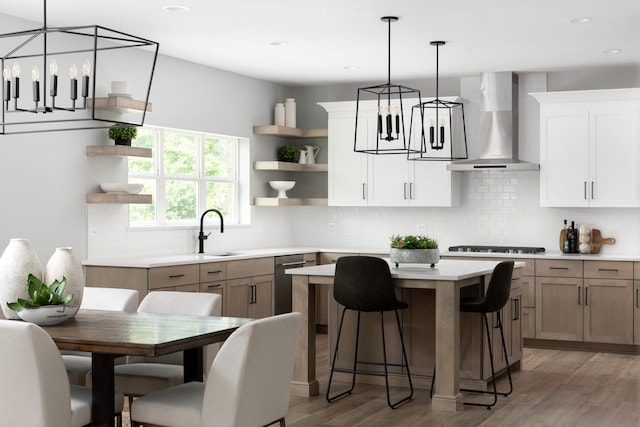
(249, 288)
(246, 286)
(597, 308)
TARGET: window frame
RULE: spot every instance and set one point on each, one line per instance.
(239, 180)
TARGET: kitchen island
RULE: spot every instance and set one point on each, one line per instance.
(446, 280)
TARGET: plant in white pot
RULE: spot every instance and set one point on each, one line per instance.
(412, 249)
(46, 305)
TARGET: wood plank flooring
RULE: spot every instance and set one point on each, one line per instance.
(553, 388)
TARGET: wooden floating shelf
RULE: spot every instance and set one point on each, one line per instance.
(118, 103)
(117, 150)
(274, 201)
(119, 198)
(289, 166)
(287, 132)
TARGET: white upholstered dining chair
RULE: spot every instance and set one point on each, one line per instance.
(248, 383)
(77, 363)
(36, 390)
(142, 375)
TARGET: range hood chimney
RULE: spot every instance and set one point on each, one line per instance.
(498, 126)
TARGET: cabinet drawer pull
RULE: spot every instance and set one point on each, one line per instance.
(608, 269)
(214, 272)
(214, 286)
(175, 276)
(558, 268)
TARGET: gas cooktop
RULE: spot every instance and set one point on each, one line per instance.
(499, 249)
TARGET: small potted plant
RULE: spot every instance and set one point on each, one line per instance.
(288, 153)
(122, 135)
(46, 305)
(417, 249)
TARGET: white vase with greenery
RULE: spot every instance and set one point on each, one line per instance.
(18, 260)
(410, 249)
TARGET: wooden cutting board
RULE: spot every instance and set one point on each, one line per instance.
(597, 241)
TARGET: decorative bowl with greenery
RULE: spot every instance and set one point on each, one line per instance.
(412, 249)
(288, 153)
(123, 135)
(46, 305)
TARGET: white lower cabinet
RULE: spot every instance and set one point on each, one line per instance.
(359, 179)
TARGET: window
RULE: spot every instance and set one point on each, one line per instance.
(189, 173)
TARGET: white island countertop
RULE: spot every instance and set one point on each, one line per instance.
(444, 270)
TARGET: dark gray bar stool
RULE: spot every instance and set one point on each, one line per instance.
(364, 284)
(493, 301)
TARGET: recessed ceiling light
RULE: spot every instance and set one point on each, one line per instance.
(580, 20)
(279, 44)
(175, 8)
(612, 51)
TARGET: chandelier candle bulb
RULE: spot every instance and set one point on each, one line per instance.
(73, 72)
(431, 133)
(16, 81)
(53, 70)
(441, 133)
(397, 123)
(7, 83)
(389, 127)
(35, 76)
(380, 122)
(86, 68)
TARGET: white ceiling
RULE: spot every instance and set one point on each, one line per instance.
(325, 36)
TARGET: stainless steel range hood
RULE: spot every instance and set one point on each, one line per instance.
(498, 127)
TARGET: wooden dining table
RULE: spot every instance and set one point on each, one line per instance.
(110, 334)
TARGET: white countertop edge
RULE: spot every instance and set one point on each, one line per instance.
(150, 261)
(444, 270)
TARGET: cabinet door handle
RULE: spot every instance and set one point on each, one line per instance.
(405, 191)
(579, 292)
(637, 298)
(411, 190)
(592, 196)
(586, 295)
(515, 309)
(214, 286)
(364, 196)
(214, 272)
(585, 190)
(175, 276)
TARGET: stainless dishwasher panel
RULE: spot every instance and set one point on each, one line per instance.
(282, 291)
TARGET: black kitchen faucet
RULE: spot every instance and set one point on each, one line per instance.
(201, 236)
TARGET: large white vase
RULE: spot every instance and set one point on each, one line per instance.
(64, 264)
(18, 260)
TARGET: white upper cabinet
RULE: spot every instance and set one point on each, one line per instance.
(590, 148)
(358, 179)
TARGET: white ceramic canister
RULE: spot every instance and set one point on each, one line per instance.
(18, 260)
(278, 115)
(290, 112)
(64, 264)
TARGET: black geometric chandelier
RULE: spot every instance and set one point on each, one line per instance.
(442, 135)
(391, 137)
(69, 73)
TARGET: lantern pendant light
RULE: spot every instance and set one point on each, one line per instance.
(442, 134)
(387, 115)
